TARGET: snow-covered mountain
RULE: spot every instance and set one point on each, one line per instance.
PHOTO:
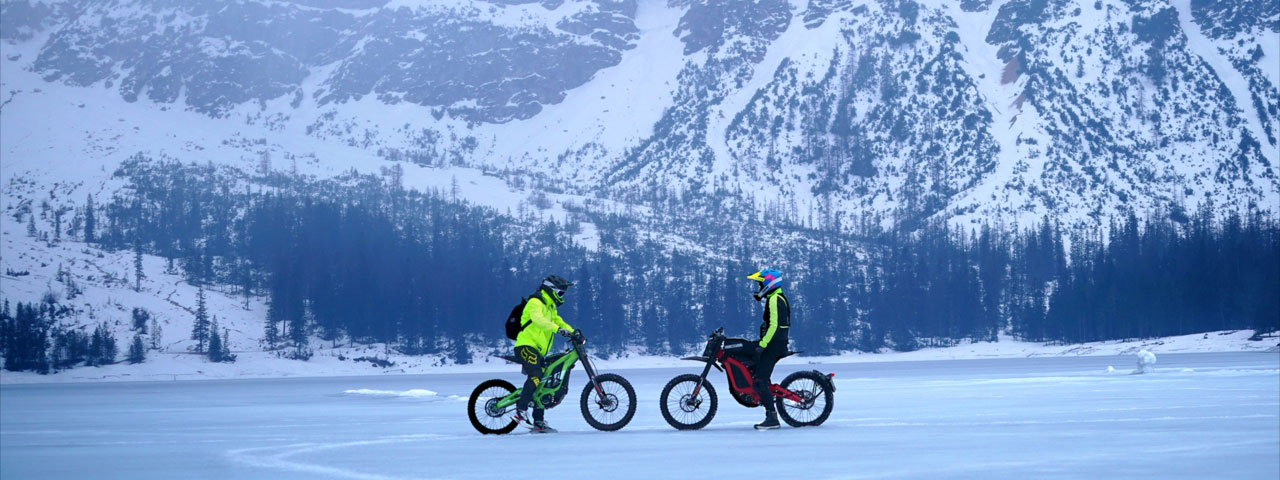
(898, 110)
(679, 118)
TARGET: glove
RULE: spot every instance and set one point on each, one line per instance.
(755, 354)
(563, 332)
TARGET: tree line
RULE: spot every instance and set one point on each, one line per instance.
(32, 339)
(360, 259)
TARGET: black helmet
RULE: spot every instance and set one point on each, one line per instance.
(555, 286)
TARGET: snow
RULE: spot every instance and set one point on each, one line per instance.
(1146, 362)
(411, 393)
(51, 135)
(75, 137)
(810, 49)
(1234, 80)
(105, 279)
(615, 110)
(1204, 416)
(1009, 121)
(69, 140)
(56, 134)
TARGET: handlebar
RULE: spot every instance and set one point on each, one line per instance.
(575, 336)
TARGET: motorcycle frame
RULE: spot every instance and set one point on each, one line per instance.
(565, 364)
(724, 362)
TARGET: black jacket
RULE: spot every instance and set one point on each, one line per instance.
(777, 322)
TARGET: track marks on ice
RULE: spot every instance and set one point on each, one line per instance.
(994, 423)
(280, 457)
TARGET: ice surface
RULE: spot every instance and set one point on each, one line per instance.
(1202, 416)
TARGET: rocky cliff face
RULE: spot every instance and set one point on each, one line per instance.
(895, 110)
(482, 62)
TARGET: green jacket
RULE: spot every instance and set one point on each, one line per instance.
(541, 322)
(777, 321)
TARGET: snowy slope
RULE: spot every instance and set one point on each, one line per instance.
(106, 285)
(1005, 111)
(896, 109)
(104, 278)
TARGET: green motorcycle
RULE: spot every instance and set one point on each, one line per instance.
(608, 401)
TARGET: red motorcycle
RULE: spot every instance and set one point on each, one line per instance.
(804, 399)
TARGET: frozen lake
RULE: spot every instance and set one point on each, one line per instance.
(1197, 416)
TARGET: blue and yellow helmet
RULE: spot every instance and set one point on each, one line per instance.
(766, 281)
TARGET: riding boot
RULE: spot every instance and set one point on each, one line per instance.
(540, 426)
(770, 421)
(522, 418)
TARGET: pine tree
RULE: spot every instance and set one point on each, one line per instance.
(137, 352)
(215, 343)
(298, 329)
(200, 329)
(298, 334)
(264, 163)
(109, 347)
(92, 356)
(155, 334)
(227, 356)
(57, 223)
(27, 346)
(6, 328)
(90, 221)
(140, 319)
(461, 355)
(31, 225)
(138, 274)
(270, 332)
(102, 346)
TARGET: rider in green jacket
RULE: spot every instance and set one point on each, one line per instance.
(539, 321)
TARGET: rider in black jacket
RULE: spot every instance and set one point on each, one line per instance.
(773, 339)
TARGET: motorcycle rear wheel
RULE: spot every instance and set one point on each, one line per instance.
(484, 417)
(817, 404)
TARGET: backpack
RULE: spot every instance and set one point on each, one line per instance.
(513, 319)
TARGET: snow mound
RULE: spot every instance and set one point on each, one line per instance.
(411, 393)
(1146, 362)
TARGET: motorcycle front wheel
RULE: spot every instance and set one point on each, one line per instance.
(684, 410)
(613, 406)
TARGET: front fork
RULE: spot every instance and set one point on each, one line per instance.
(591, 371)
(702, 378)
